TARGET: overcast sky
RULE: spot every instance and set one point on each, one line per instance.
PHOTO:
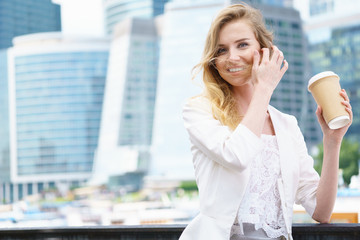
(82, 17)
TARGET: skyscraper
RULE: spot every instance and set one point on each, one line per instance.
(186, 25)
(127, 119)
(286, 25)
(4, 120)
(341, 54)
(128, 112)
(118, 10)
(333, 31)
(291, 95)
(55, 98)
(279, 3)
(19, 17)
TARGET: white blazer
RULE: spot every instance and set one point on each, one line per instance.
(221, 158)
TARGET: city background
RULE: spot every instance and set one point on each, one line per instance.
(92, 94)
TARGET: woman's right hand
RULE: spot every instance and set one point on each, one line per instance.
(268, 70)
(266, 74)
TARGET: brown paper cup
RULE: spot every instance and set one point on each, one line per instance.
(325, 88)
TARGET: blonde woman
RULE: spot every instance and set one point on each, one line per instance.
(251, 162)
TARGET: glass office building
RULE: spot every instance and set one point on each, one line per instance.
(4, 120)
(279, 3)
(56, 89)
(184, 31)
(333, 33)
(118, 10)
(19, 17)
(185, 28)
(286, 25)
(128, 113)
(341, 54)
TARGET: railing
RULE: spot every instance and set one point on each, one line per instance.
(166, 232)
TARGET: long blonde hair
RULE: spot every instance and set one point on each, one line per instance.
(217, 90)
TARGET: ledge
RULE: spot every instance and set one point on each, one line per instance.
(168, 232)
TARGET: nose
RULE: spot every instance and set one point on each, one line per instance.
(233, 54)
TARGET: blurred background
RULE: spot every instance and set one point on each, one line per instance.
(91, 104)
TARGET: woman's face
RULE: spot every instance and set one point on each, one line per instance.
(235, 52)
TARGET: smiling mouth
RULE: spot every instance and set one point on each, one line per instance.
(236, 69)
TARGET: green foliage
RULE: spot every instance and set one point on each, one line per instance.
(349, 157)
(131, 197)
(189, 186)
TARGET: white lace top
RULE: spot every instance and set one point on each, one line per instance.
(261, 204)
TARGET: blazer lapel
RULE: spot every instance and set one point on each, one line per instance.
(284, 140)
(286, 152)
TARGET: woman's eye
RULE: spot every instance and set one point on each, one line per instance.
(221, 51)
(241, 45)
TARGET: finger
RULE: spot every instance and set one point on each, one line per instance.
(278, 55)
(344, 95)
(265, 57)
(350, 114)
(348, 108)
(346, 104)
(320, 116)
(256, 59)
(284, 68)
(318, 111)
(280, 59)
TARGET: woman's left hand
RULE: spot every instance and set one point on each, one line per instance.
(335, 134)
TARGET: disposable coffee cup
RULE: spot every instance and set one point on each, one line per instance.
(325, 88)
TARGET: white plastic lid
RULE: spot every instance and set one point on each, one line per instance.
(339, 122)
(320, 76)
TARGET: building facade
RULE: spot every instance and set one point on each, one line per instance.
(332, 28)
(291, 94)
(185, 27)
(128, 112)
(4, 120)
(19, 17)
(118, 10)
(56, 89)
(279, 3)
(341, 54)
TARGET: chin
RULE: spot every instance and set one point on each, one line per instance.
(244, 77)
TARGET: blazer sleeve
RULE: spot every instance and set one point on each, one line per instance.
(308, 177)
(231, 149)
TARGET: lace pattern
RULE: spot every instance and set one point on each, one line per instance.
(261, 204)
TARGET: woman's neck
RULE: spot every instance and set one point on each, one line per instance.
(243, 95)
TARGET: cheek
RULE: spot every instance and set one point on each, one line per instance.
(222, 73)
(250, 55)
(220, 65)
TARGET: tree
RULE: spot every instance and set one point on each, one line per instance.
(349, 159)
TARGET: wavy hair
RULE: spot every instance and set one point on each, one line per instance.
(217, 90)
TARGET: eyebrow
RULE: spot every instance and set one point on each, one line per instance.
(237, 41)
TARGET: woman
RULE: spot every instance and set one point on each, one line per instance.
(251, 162)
